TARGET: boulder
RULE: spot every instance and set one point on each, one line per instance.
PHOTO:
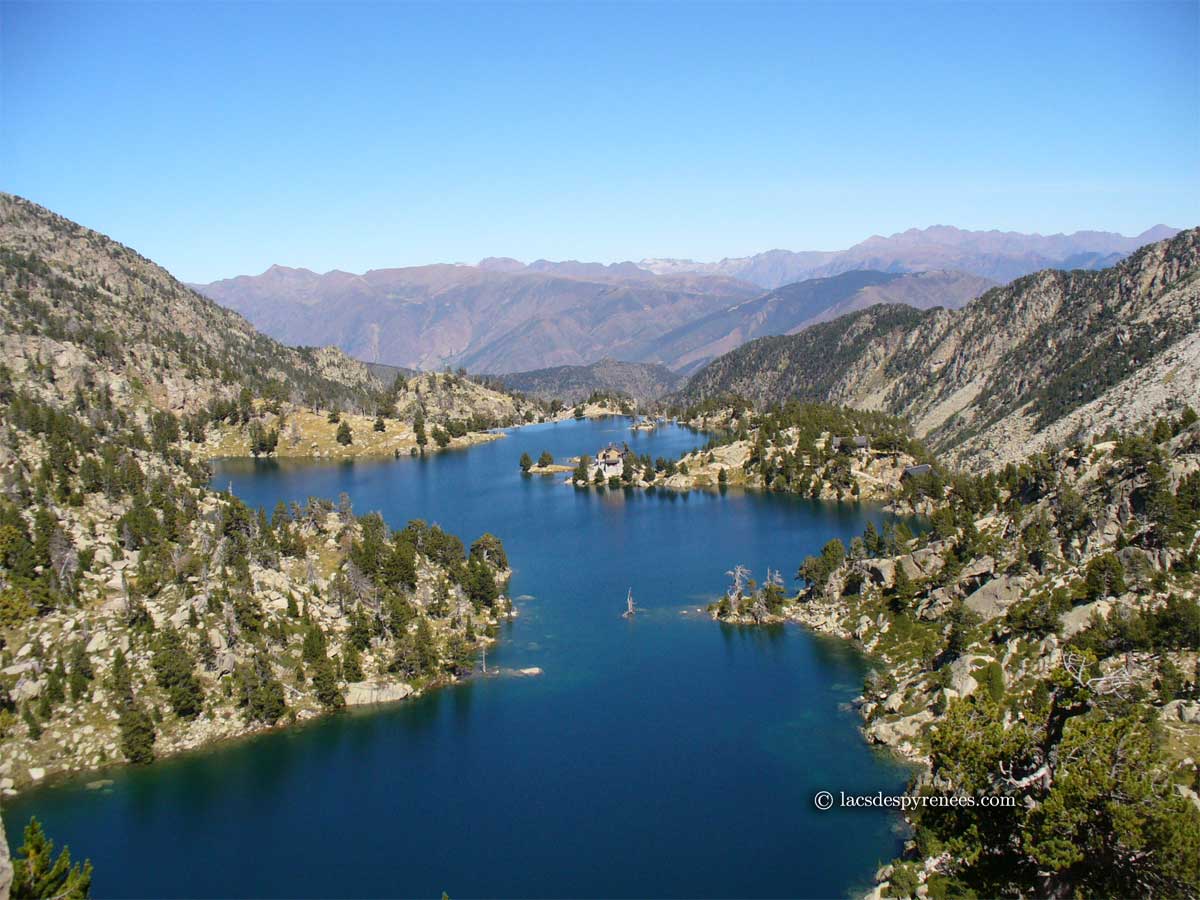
(910, 567)
(962, 681)
(98, 643)
(899, 731)
(1075, 620)
(361, 693)
(1189, 794)
(936, 605)
(26, 689)
(226, 662)
(978, 570)
(881, 571)
(995, 597)
(928, 562)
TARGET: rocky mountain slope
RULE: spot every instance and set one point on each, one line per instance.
(1051, 356)
(996, 255)
(73, 298)
(794, 307)
(641, 381)
(1038, 646)
(141, 612)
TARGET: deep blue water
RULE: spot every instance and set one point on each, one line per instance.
(664, 756)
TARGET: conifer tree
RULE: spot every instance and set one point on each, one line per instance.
(39, 875)
(325, 684)
(137, 733)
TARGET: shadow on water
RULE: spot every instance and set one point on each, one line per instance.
(667, 756)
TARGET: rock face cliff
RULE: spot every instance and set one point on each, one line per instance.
(1051, 356)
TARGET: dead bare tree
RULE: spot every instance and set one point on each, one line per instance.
(1113, 684)
(64, 561)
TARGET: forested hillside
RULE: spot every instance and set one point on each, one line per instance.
(141, 612)
(1037, 650)
(641, 381)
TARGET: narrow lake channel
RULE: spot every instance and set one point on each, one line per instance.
(660, 756)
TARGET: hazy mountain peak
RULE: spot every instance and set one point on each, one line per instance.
(500, 264)
(278, 271)
(994, 254)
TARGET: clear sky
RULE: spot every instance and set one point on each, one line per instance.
(219, 139)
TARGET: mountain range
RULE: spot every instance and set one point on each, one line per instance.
(996, 255)
(484, 319)
(1050, 357)
(503, 316)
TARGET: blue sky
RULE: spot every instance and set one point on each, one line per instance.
(219, 139)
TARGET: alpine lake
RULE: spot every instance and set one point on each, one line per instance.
(665, 755)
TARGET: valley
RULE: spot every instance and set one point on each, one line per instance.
(150, 614)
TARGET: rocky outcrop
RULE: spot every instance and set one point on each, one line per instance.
(6, 869)
(363, 693)
(995, 597)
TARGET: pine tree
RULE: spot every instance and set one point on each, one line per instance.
(344, 436)
(39, 875)
(137, 733)
(313, 647)
(81, 671)
(351, 663)
(426, 651)
(120, 682)
(174, 668)
(419, 430)
(526, 462)
(325, 684)
(31, 722)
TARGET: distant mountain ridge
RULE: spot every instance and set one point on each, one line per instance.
(504, 316)
(793, 307)
(1046, 358)
(497, 320)
(641, 381)
(997, 255)
(490, 319)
